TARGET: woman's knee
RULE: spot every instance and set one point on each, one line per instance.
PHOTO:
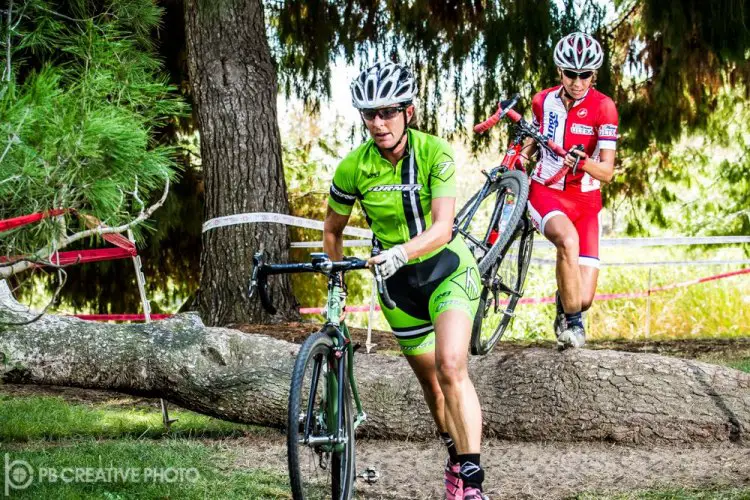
(586, 302)
(451, 369)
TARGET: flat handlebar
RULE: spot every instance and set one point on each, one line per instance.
(319, 263)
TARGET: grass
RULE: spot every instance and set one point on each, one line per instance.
(726, 493)
(170, 468)
(742, 365)
(52, 435)
(51, 418)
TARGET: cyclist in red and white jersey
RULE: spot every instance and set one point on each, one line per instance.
(564, 200)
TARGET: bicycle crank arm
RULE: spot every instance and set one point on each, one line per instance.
(505, 289)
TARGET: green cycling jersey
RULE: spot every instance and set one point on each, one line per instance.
(397, 200)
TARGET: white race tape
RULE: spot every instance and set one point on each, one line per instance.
(678, 240)
(550, 262)
(288, 220)
(319, 244)
(660, 242)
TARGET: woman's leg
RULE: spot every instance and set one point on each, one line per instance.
(423, 366)
(463, 413)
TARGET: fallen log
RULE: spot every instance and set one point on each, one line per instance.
(526, 394)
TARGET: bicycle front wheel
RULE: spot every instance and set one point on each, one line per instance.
(503, 287)
(318, 467)
(512, 195)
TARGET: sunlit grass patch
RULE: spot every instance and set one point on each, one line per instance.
(52, 418)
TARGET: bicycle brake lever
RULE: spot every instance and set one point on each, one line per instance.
(578, 157)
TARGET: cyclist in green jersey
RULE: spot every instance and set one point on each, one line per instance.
(406, 184)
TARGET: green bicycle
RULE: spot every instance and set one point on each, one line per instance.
(321, 424)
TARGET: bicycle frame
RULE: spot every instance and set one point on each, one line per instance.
(344, 350)
(511, 161)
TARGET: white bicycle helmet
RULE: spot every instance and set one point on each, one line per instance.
(578, 51)
(383, 84)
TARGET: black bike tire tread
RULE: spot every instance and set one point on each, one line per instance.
(511, 178)
(477, 348)
(293, 410)
(349, 425)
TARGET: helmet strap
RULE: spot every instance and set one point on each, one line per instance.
(398, 142)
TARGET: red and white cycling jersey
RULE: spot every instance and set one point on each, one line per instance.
(591, 121)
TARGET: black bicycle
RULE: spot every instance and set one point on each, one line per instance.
(320, 421)
(496, 227)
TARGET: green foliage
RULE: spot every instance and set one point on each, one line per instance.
(689, 50)
(78, 114)
(489, 49)
(697, 186)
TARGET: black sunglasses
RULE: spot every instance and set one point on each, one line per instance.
(384, 114)
(583, 75)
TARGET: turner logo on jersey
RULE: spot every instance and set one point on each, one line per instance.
(579, 129)
(469, 281)
(443, 170)
(396, 187)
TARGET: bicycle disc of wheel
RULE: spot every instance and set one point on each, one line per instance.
(503, 286)
(318, 470)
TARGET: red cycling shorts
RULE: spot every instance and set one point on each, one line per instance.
(581, 208)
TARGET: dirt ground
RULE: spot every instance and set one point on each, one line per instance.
(529, 470)
(514, 470)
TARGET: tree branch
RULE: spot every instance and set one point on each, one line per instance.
(100, 230)
(44, 254)
(63, 278)
(7, 73)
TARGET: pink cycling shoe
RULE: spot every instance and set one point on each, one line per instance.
(454, 487)
(474, 494)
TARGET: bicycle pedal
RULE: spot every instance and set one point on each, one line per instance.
(370, 475)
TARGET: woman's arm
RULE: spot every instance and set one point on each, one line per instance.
(602, 170)
(333, 234)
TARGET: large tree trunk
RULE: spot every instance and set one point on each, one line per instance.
(233, 81)
(526, 394)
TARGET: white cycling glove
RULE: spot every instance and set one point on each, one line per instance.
(391, 261)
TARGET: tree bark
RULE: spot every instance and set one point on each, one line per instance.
(233, 81)
(526, 394)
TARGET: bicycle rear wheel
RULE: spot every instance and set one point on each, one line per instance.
(502, 288)
(319, 469)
